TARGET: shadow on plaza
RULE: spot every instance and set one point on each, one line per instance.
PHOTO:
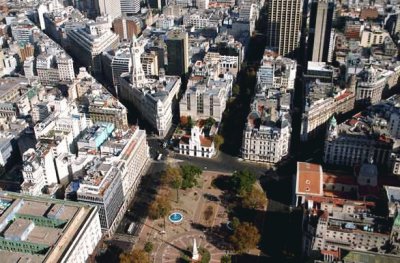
(139, 208)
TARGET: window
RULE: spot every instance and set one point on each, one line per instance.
(308, 182)
(200, 103)
(307, 189)
(188, 101)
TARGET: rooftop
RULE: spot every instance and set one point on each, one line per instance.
(49, 225)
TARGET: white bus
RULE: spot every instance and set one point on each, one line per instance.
(131, 228)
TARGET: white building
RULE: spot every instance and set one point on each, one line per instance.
(366, 135)
(370, 86)
(276, 72)
(197, 144)
(266, 137)
(5, 148)
(121, 63)
(205, 98)
(154, 99)
(72, 234)
(111, 8)
(90, 41)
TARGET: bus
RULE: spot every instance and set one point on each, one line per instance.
(131, 228)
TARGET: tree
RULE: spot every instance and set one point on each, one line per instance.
(190, 174)
(190, 123)
(255, 199)
(173, 177)
(2, 170)
(235, 90)
(136, 256)
(218, 141)
(160, 208)
(148, 247)
(245, 237)
(242, 181)
(235, 223)
(226, 259)
(209, 122)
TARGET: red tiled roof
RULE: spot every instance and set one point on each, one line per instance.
(184, 139)
(309, 178)
(205, 142)
(338, 201)
(369, 13)
(343, 179)
(335, 254)
(344, 95)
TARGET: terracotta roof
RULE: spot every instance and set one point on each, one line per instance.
(369, 13)
(344, 95)
(335, 254)
(184, 139)
(309, 179)
(334, 179)
(205, 142)
(339, 201)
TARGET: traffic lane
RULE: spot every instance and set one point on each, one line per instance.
(225, 163)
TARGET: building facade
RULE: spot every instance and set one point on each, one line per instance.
(283, 25)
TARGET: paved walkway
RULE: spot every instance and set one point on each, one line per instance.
(170, 250)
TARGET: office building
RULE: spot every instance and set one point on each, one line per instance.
(37, 229)
(205, 98)
(127, 27)
(90, 41)
(130, 7)
(366, 135)
(120, 63)
(111, 8)
(267, 133)
(319, 35)
(283, 25)
(177, 52)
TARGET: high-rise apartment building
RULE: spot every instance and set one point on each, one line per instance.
(111, 8)
(127, 27)
(283, 25)
(130, 7)
(178, 52)
(319, 35)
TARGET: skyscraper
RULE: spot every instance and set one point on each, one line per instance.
(283, 25)
(177, 49)
(319, 36)
(130, 7)
(111, 8)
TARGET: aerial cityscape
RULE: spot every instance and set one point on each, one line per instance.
(200, 131)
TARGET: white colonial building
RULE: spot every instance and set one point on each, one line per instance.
(197, 144)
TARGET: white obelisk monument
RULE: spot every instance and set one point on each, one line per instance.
(195, 254)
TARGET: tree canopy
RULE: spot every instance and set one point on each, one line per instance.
(159, 207)
(190, 174)
(242, 181)
(218, 141)
(136, 256)
(255, 199)
(245, 237)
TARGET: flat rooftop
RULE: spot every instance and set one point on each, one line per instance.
(48, 225)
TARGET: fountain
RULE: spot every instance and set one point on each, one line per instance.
(175, 217)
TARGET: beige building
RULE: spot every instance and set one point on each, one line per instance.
(373, 36)
(283, 25)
